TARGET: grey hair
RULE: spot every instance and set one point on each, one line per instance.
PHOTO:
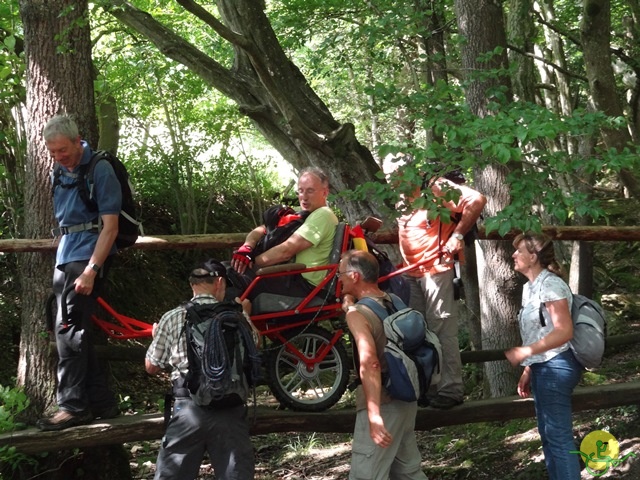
(362, 262)
(316, 172)
(60, 125)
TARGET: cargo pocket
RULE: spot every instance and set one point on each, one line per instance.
(362, 464)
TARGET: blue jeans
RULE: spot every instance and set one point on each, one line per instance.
(552, 383)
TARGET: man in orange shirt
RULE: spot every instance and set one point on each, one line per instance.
(434, 245)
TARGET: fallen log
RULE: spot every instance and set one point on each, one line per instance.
(134, 428)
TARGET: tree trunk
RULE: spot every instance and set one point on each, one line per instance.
(521, 32)
(481, 24)
(270, 90)
(59, 80)
(595, 32)
(56, 83)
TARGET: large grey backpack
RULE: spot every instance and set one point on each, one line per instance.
(589, 330)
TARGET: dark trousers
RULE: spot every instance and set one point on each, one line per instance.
(82, 383)
(287, 285)
(194, 430)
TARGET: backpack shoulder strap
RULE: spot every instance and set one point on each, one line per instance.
(380, 311)
(398, 304)
(80, 176)
(543, 308)
(56, 171)
(90, 170)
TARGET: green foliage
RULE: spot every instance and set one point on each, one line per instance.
(593, 378)
(186, 146)
(302, 445)
(514, 138)
(13, 401)
(12, 141)
(10, 307)
(13, 462)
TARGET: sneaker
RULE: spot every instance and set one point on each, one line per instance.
(106, 413)
(444, 403)
(63, 419)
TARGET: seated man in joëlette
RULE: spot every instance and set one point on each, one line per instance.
(310, 244)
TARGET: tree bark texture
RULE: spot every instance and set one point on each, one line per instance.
(58, 81)
(481, 23)
(595, 33)
(520, 33)
(269, 89)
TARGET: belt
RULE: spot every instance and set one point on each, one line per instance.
(81, 227)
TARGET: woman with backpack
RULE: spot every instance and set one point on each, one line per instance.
(551, 370)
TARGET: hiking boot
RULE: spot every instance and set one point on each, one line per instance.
(63, 419)
(106, 413)
(444, 403)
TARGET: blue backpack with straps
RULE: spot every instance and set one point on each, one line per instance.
(412, 351)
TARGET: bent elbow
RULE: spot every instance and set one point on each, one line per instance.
(151, 368)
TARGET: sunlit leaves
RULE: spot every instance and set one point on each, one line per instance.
(516, 135)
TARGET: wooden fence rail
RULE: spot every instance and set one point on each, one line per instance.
(230, 240)
(136, 353)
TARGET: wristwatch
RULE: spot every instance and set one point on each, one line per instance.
(458, 236)
(95, 267)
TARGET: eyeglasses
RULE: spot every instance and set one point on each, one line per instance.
(338, 274)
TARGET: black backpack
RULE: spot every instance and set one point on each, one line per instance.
(128, 225)
(281, 221)
(224, 362)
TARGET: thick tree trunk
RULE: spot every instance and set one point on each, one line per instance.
(270, 90)
(56, 83)
(59, 80)
(481, 24)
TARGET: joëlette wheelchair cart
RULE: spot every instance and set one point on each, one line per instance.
(304, 353)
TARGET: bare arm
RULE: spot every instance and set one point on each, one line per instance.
(562, 332)
(472, 209)
(254, 236)
(106, 237)
(472, 203)
(151, 368)
(283, 252)
(370, 375)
